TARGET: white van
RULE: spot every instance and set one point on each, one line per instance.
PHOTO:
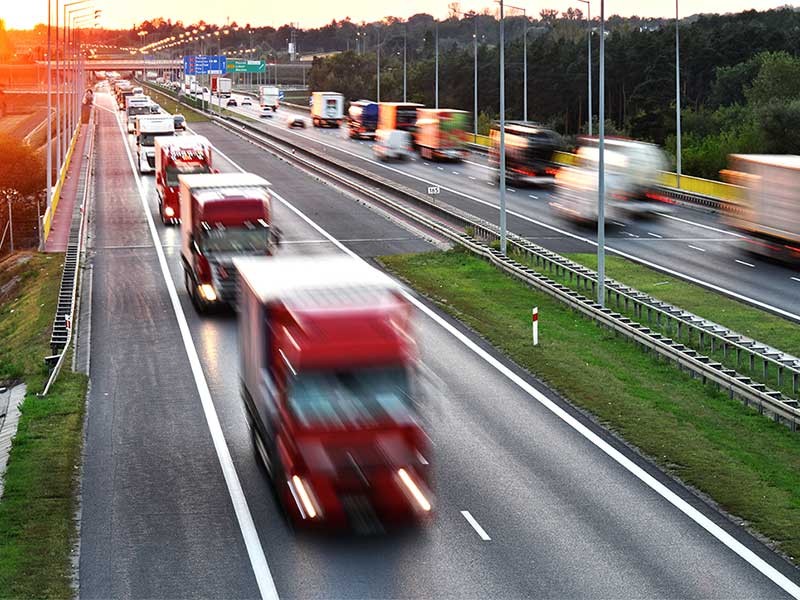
(392, 144)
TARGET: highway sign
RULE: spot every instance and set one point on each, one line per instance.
(236, 65)
(204, 65)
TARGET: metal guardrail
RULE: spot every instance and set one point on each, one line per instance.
(65, 309)
(752, 393)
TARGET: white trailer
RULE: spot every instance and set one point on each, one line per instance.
(269, 97)
(327, 109)
(148, 127)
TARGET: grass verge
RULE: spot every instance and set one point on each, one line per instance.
(749, 465)
(742, 318)
(171, 105)
(37, 528)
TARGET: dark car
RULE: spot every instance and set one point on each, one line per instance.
(297, 122)
(180, 122)
(231, 102)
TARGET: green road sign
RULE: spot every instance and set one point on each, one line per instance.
(236, 65)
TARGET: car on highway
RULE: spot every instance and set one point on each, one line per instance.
(246, 101)
(265, 112)
(180, 122)
(297, 122)
(231, 102)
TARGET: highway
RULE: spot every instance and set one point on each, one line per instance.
(686, 242)
(533, 499)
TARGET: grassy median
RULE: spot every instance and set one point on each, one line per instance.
(743, 461)
(169, 103)
(37, 527)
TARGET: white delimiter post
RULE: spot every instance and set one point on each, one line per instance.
(535, 324)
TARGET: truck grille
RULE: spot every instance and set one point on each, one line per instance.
(226, 281)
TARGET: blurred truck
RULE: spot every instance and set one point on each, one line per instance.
(441, 133)
(269, 97)
(769, 214)
(398, 115)
(632, 171)
(223, 216)
(362, 119)
(178, 155)
(529, 150)
(148, 128)
(136, 105)
(328, 375)
(327, 109)
(221, 86)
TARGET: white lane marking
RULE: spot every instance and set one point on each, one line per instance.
(487, 167)
(685, 276)
(629, 234)
(795, 279)
(258, 561)
(687, 509)
(511, 190)
(428, 164)
(655, 235)
(476, 526)
(532, 196)
(456, 173)
(701, 225)
(440, 168)
(471, 177)
(619, 224)
(746, 264)
(698, 248)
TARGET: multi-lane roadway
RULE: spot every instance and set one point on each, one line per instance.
(532, 499)
(688, 242)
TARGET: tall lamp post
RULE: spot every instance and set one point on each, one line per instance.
(436, 43)
(405, 52)
(502, 131)
(677, 95)
(601, 193)
(589, 67)
(524, 63)
(70, 92)
(378, 64)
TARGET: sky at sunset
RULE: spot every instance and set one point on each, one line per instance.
(313, 13)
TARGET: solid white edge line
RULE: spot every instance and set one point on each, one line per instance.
(701, 225)
(476, 526)
(647, 263)
(695, 515)
(258, 561)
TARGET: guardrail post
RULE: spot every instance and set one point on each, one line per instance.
(752, 362)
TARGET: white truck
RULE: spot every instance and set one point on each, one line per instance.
(269, 97)
(769, 213)
(327, 109)
(134, 106)
(148, 127)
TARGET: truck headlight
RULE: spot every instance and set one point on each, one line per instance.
(208, 293)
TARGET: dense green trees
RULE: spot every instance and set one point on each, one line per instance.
(740, 77)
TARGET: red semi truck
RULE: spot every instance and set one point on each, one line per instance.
(178, 155)
(223, 215)
(328, 363)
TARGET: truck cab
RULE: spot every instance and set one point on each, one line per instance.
(175, 156)
(362, 119)
(269, 97)
(148, 127)
(328, 372)
(136, 105)
(223, 216)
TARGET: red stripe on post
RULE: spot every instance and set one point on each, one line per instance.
(535, 314)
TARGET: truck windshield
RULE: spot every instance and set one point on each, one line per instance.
(242, 240)
(149, 139)
(184, 169)
(337, 399)
(138, 110)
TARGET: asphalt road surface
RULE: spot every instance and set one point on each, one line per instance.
(532, 500)
(689, 242)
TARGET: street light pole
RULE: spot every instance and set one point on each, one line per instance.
(436, 36)
(49, 125)
(589, 64)
(502, 132)
(601, 195)
(378, 63)
(475, 81)
(405, 44)
(524, 64)
(677, 95)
